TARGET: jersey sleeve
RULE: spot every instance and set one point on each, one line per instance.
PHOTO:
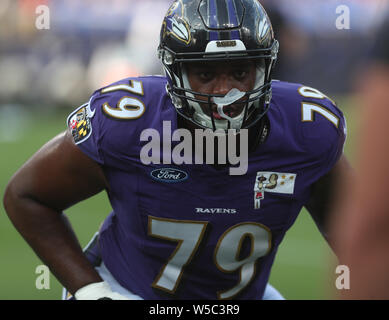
(314, 128)
(324, 131)
(108, 128)
(85, 125)
(103, 130)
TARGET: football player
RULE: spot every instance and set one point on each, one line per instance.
(185, 231)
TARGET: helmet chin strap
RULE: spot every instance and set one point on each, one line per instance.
(232, 96)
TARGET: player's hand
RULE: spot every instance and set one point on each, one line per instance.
(98, 291)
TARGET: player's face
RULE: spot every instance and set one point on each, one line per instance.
(218, 79)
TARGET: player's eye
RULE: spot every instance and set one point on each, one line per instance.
(240, 74)
(205, 76)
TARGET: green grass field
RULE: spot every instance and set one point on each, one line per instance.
(302, 269)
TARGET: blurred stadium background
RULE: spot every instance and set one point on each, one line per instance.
(44, 74)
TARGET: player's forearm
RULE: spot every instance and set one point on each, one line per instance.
(51, 237)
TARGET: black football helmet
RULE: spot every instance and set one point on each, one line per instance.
(217, 30)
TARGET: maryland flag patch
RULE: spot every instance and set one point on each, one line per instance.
(79, 123)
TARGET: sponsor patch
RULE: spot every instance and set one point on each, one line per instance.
(169, 175)
(274, 182)
(79, 123)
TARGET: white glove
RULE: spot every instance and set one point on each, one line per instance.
(98, 291)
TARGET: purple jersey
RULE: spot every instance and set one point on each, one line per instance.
(194, 231)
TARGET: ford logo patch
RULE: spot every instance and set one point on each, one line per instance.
(169, 175)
